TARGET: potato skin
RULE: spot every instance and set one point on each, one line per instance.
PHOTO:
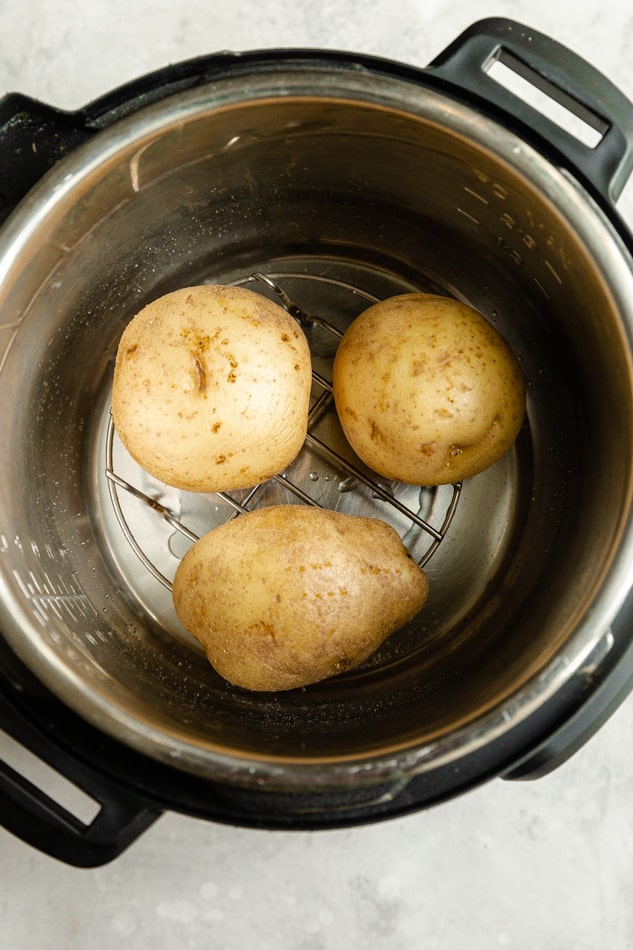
(289, 595)
(211, 388)
(426, 389)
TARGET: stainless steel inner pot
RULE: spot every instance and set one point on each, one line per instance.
(343, 189)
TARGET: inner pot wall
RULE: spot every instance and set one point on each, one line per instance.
(403, 190)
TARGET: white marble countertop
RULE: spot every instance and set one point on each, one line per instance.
(545, 865)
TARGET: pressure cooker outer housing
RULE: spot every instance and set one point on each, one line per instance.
(533, 239)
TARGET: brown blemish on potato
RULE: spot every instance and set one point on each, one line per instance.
(199, 342)
(216, 427)
(374, 432)
(131, 350)
(265, 629)
(319, 566)
(232, 375)
(201, 376)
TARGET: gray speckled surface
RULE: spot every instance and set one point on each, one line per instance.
(545, 865)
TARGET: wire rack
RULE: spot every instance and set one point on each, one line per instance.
(353, 475)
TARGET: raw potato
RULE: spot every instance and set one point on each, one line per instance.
(426, 390)
(211, 388)
(288, 595)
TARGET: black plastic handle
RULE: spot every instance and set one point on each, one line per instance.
(34, 135)
(39, 820)
(32, 138)
(565, 78)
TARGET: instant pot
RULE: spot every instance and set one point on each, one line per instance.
(325, 180)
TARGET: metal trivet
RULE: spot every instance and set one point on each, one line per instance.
(354, 477)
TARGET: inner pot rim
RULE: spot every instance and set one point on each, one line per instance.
(55, 193)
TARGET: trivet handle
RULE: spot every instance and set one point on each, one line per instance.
(39, 820)
(564, 77)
